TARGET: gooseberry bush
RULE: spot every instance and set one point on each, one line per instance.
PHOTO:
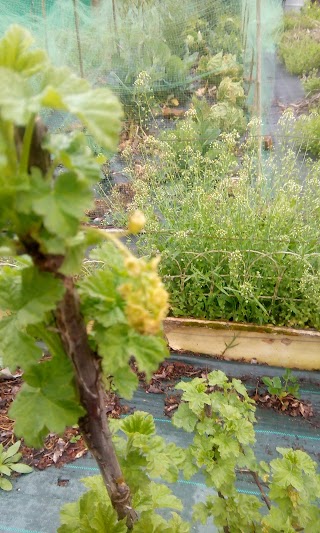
(93, 324)
(91, 329)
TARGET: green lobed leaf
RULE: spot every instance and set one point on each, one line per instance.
(204, 510)
(227, 447)
(100, 300)
(17, 349)
(148, 351)
(113, 347)
(118, 343)
(61, 206)
(90, 516)
(111, 256)
(217, 378)
(162, 497)
(164, 460)
(47, 401)
(17, 101)
(295, 469)
(150, 523)
(74, 154)
(177, 525)
(239, 387)
(126, 382)
(184, 418)
(195, 394)
(98, 109)
(155, 496)
(139, 422)
(277, 521)
(18, 54)
(153, 523)
(29, 293)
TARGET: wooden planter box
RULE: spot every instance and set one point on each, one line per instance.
(276, 346)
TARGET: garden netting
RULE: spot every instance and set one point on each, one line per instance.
(248, 251)
(152, 45)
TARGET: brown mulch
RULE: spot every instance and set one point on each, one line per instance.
(289, 404)
(171, 404)
(99, 210)
(167, 375)
(164, 380)
(57, 449)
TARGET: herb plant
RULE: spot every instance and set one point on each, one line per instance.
(282, 386)
(9, 463)
(233, 246)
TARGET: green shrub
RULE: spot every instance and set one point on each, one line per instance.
(298, 21)
(300, 52)
(311, 82)
(308, 131)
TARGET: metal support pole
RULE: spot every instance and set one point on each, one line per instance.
(76, 22)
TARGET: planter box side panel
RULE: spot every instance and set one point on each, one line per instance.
(300, 351)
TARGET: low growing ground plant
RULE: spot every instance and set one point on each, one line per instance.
(293, 48)
(9, 463)
(281, 386)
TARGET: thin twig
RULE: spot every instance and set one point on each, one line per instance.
(225, 528)
(259, 485)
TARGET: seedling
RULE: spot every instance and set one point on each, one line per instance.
(9, 463)
(282, 386)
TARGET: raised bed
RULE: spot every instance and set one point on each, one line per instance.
(277, 346)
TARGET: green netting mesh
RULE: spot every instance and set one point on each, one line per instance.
(159, 48)
(118, 40)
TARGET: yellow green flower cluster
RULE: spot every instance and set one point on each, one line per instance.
(145, 296)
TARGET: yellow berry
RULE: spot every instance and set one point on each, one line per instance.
(136, 222)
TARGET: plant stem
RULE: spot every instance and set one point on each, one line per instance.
(73, 334)
(94, 426)
(26, 146)
(259, 485)
(225, 528)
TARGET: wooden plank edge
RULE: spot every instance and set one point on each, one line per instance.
(275, 346)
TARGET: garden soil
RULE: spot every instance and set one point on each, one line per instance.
(33, 505)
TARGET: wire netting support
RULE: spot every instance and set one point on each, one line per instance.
(76, 22)
(258, 82)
